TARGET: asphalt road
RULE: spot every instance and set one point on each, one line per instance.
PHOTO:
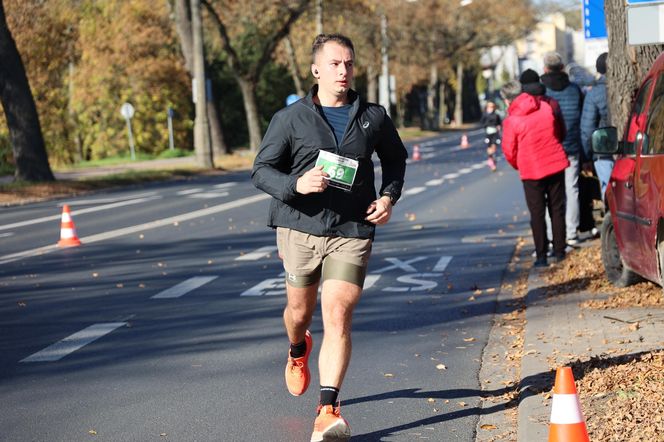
(166, 323)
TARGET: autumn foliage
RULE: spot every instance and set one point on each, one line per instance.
(84, 59)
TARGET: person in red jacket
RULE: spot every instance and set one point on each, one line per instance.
(531, 145)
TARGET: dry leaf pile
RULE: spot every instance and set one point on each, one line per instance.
(623, 397)
(583, 270)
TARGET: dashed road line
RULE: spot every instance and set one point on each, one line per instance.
(414, 190)
(73, 342)
(189, 191)
(184, 287)
(208, 195)
(79, 212)
(225, 185)
(257, 254)
(141, 227)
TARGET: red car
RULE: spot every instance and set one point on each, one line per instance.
(633, 227)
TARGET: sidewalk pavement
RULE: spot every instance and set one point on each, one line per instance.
(558, 331)
(85, 172)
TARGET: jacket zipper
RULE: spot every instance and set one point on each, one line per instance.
(337, 151)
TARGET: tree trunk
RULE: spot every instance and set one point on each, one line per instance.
(626, 65)
(372, 84)
(458, 103)
(431, 97)
(72, 129)
(442, 107)
(183, 27)
(293, 67)
(201, 126)
(25, 133)
(248, 88)
(319, 16)
(219, 146)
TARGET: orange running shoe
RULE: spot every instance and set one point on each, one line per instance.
(329, 426)
(297, 370)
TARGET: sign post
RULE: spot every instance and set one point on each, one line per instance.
(127, 111)
(171, 144)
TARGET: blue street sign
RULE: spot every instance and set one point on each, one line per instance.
(594, 21)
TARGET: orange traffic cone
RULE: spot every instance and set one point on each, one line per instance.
(68, 236)
(567, 423)
(416, 153)
(464, 141)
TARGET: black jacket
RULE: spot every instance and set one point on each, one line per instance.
(290, 148)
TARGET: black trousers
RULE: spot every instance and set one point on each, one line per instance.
(540, 194)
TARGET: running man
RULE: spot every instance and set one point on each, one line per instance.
(315, 161)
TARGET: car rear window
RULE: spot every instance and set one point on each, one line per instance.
(654, 142)
(636, 120)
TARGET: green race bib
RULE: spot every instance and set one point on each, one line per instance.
(341, 170)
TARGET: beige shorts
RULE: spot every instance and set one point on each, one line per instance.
(307, 257)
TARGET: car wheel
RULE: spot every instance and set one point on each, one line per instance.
(660, 257)
(616, 272)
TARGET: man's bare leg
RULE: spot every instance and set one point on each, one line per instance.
(338, 300)
(300, 306)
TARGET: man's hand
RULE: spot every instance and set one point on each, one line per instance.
(313, 181)
(380, 211)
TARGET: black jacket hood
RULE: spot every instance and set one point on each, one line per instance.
(556, 81)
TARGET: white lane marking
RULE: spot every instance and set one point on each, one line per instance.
(225, 185)
(141, 227)
(72, 343)
(79, 212)
(267, 287)
(414, 190)
(184, 287)
(428, 156)
(465, 170)
(450, 176)
(189, 191)
(257, 254)
(442, 263)
(3, 235)
(414, 279)
(478, 166)
(111, 199)
(208, 195)
(369, 281)
(399, 264)
(435, 182)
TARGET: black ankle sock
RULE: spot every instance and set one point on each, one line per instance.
(328, 395)
(298, 350)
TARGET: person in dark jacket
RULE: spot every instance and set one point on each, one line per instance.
(570, 98)
(596, 114)
(491, 121)
(532, 147)
(315, 161)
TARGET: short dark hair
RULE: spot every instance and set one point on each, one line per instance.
(321, 39)
(600, 64)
